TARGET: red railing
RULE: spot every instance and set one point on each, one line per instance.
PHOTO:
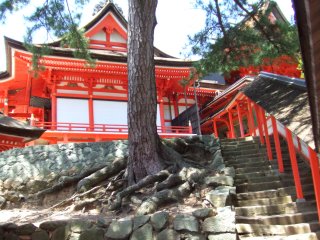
(268, 126)
(105, 128)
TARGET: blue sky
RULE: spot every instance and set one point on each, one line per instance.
(176, 20)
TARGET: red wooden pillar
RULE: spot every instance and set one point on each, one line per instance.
(28, 93)
(215, 129)
(294, 165)
(233, 135)
(175, 106)
(54, 104)
(314, 163)
(240, 120)
(256, 108)
(265, 126)
(90, 102)
(277, 144)
(251, 120)
(161, 109)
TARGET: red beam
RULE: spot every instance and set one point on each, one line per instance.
(314, 162)
(265, 126)
(277, 144)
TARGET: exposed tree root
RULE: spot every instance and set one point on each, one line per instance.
(67, 181)
(141, 184)
(95, 178)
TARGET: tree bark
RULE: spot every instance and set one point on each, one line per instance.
(144, 142)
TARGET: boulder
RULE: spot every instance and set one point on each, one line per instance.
(186, 222)
(159, 220)
(59, 233)
(193, 236)
(223, 222)
(219, 181)
(139, 221)
(143, 233)
(78, 226)
(52, 225)
(92, 234)
(119, 229)
(168, 234)
(203, 213)
(26, 229)
(40, 234)
(223, 236)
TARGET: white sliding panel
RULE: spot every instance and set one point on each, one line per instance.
(110, 112)
(72, 110)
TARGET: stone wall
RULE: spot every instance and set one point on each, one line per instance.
(201, 224)
(31, 169)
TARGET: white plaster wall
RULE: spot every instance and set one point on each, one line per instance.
(72, 110)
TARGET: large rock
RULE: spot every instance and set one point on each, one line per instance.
(229, 171)
(139, 221)
(40, 235)
(203, 213)
(159, 220)
(78, 226)
(52, 225)
(186, 222)
(12, 236)
(221, 196)
(119, 229)
(26, 229)
(2, 202)
(92, 234)
(143, 233)
(168, 234)
(219, 181)
(59, 233)
(223, 222)
(193, 236)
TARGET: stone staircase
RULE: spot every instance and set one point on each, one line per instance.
(266, 205)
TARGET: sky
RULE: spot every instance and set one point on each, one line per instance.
(176, 20)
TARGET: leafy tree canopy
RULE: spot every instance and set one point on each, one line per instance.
(59, 19)
(238, 34)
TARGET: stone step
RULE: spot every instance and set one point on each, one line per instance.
(287, 208)
(279, 192)
(227, 152)
(266, 201)
(248, 160)
(283, 219)
(303, 236)
(253, 169)
(271, 172)
(252, 187)
(250, 164)
(257, 179)
(280, 230)
(245, 156)
(242, 147)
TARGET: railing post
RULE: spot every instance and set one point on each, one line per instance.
(266, 132)
(294, 165)
(277, 144)
(314, 163)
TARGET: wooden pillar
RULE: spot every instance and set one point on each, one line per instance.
(175, 106)
(233, 135)
(266, 132)
(161, 109)
(294, 165)
(28, 93)
(240, 120)
(90, 108)
(251, 120)
(54, 104)
(215, 129)
(277, 144)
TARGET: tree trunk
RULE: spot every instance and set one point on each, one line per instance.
(144, 142)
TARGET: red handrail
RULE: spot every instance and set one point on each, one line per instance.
(121, 128)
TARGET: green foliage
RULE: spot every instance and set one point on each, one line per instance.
(57, 19)
(226, 43)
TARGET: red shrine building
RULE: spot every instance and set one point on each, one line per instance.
(75, 102)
